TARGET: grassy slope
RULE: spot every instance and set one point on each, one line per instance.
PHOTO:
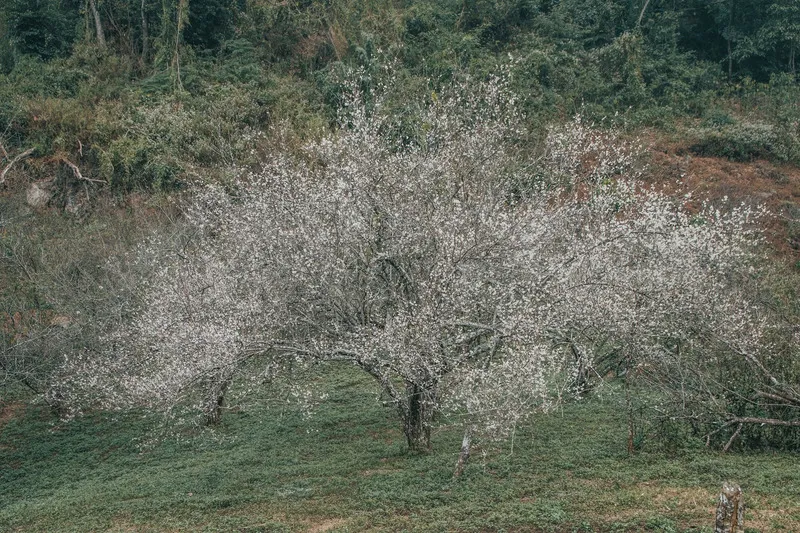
(346, 470)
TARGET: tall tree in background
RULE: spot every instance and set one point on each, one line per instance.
(780, 33)
(145, 31)
(736, 21)
(43, 28)
(173, 20)
(100, 34)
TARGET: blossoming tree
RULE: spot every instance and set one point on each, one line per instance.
(447, 266)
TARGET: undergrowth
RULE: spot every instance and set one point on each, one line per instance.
(346, 469)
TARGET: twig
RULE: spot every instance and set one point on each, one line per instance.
(23, 155)
(767, 421)
(77, 172)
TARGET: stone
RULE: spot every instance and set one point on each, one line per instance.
(38, 194)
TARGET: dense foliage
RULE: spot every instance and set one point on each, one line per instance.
(82, 80)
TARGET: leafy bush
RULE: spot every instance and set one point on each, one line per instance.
(746, 141)
(717, 117)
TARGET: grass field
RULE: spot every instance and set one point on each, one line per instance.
(346, 469)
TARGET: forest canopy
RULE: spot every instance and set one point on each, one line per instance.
(147, 93)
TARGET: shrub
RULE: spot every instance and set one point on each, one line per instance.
(745, 142)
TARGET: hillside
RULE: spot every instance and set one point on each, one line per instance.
(380, 266)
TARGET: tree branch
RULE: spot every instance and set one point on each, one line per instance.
(733, 438)
(77, 172)
(766, 421)
(19, 157)
(641, 14)
(789, 402)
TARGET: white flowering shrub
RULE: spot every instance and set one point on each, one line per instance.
(417, 264)
(578, 152)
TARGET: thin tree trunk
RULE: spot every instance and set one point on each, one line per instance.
(145, 33)
(216, 397)
(463, 456)
(730, 61)
(183, 8)
(98, 25)
(418, 414)
(730, 48)
(641, 14)
(629, 405)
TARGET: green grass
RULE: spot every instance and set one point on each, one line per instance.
(346, 469)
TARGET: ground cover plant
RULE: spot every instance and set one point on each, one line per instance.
(347, 469)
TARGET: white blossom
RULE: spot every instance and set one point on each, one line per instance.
(447, 267)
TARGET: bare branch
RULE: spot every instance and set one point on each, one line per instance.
(784, 400)
(766, 421)
(733, 438)
(19, 157)
(77, 171)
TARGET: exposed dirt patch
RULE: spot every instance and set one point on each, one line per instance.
(327, 525)
(10, 411)
(692, 507)
(756, 182)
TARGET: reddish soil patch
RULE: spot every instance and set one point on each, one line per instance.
(10, 411)
(757, 182)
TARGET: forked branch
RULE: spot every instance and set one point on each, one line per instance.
(19, 157)
(77, 171)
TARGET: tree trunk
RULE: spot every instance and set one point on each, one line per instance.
(215, 397)
(145, 33)
(182, 16)
(641, 14)
(418, 414)
(730, 61)
(463, 456)
(582, 368)
(728, 39)
(730, 510)
(98, 25)
(626, 384)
